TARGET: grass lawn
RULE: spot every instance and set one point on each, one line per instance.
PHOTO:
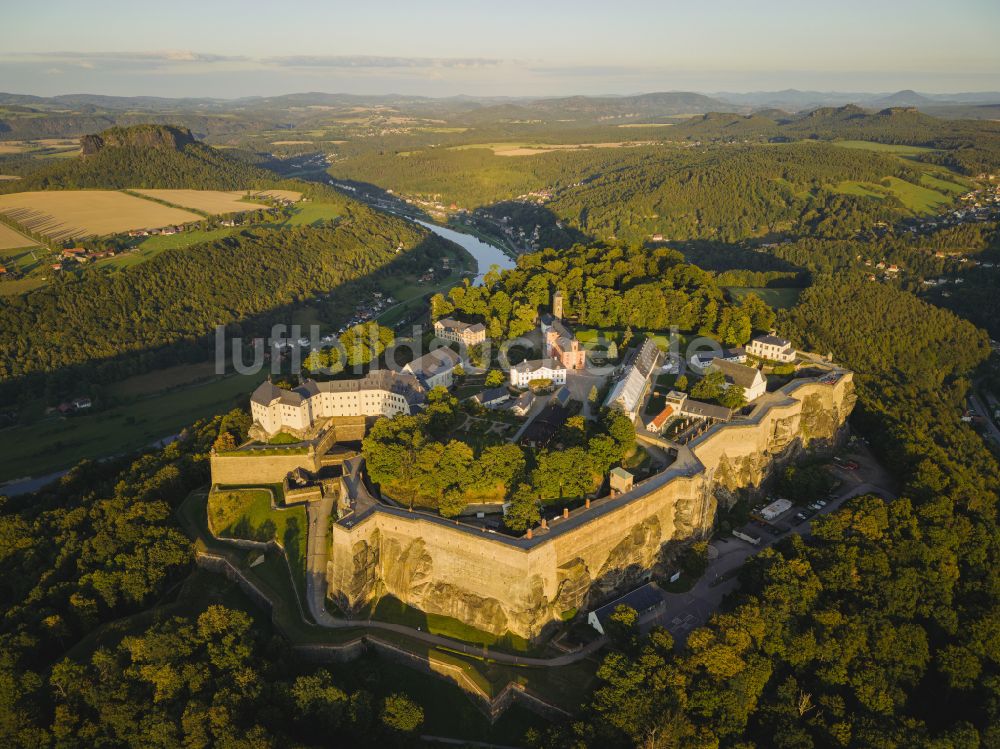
(306, 214)
(247, 513)
(916, 198)
(390, 609)
(777, 297)
(54, 443)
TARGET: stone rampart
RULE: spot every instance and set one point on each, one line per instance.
(523, 585)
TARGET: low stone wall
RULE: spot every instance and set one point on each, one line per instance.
(523, 586)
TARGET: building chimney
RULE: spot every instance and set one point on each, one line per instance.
(528, 534)
(565, 512)
(545, 524)
(587, 504)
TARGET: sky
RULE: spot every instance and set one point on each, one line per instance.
(223, 48)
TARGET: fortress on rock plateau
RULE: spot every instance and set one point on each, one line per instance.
(525, 585)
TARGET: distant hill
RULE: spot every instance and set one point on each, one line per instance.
(906, 98)
(793, 100)
(147, 156)
(600, 108)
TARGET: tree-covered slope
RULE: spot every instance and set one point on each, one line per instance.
(180, 296)
(723, 192)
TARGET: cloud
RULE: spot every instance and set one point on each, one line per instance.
(371, 61)
(104, 60)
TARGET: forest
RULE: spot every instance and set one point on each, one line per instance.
(616, 286)
(103, 545)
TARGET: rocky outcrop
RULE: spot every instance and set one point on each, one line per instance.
(140, 136)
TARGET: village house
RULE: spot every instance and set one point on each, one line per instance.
(523, 404)
(492, 397)
(771, 348)
(750, 379)
(643, 600)
(522, 374)
(470, 334)
(738, 355)
(656, 424)
(435, 369)
(546, 425)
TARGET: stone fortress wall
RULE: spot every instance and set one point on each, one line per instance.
(523, 585)
(271, 464)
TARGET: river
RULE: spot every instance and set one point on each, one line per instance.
(486, 255)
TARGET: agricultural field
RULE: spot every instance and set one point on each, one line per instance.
(916, 198)
(69, 214)
(11, 240)
(206, 201)
(534, 149)
(46, 147)
(281, 194)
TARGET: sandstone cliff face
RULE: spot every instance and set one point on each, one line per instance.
(500, 587)
(142, 136)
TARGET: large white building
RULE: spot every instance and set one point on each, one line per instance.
(379, 393)
(772, 348)
(537, 369)
(471, 334)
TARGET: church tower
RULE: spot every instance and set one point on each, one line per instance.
(557, 305)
